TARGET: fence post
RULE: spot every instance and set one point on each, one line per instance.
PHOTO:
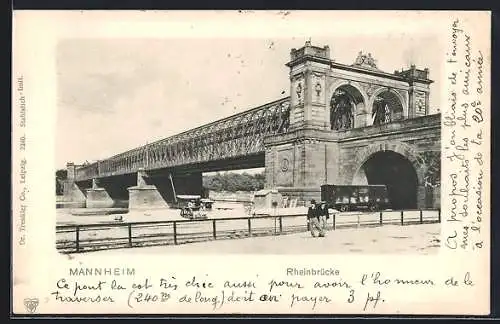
(249, 227)
(214, 229)
(334, 223)
(439, 215)
(381, 219)
(402, 218)
(421, 217)
(357, 224)
(77, 238)
(281, 224)
(175, 232)
(130, 235)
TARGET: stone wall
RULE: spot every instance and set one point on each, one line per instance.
(327, 157)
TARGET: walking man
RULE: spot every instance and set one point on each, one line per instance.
(313, 220)
(323, 215)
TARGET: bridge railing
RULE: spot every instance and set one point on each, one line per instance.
(236, 135)
(410, 123)
(87, 171)
(92, 237)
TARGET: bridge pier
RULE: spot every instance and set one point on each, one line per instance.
(297, 169)
(144, 195)
(71, 191)
(160, 190)
(98, 197)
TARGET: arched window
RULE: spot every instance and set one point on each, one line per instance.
(342, 107)
(386, 108)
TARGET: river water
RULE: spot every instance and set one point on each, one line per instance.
(78, 215)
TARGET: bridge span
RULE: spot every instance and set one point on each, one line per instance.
(342, 124)
(235, 142)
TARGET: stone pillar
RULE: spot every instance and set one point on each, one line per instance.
(298, 169)
(145, 196)
(269, 167)
(309, 66)
(418, 92)
(362, 117)
(306, 158)
(70, 168)
(98, 197)
(71, 191)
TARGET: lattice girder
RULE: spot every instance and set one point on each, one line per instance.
(234, 136)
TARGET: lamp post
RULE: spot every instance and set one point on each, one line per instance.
(275, 205)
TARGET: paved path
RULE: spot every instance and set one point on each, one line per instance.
(388, 239)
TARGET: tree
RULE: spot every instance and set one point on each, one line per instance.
(431, 163)
(234, 182)
(61, 175)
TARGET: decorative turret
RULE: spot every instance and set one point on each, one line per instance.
(418, 93)
(413, 74)
(309, 66)
(309, 52)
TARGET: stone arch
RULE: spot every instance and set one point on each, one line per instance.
(401, 98)
(356, 91)
(406, 150)
(339, 83)
(396, 165)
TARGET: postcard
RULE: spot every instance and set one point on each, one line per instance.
(251, 162)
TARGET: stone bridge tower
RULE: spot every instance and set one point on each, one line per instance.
(338, 113)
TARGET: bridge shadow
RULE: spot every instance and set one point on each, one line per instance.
(179, 184)
(117, 188)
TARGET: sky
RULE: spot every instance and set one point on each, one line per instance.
(121, 93)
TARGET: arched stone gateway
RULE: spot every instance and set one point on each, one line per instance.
(395, 172)
(398, 166)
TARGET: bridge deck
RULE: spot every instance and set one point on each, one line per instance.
(238, 135)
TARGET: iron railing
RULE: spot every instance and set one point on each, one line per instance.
(91, 237)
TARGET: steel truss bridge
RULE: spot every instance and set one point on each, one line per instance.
(238, 135)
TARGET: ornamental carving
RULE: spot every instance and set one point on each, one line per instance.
(365, 61)
(318, 88)
(298, 76)
(420, 102)
(370, 88)
(285, 165)
(297, 91)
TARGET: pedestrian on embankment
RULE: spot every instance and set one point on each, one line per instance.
(323, 215)
(313, 220)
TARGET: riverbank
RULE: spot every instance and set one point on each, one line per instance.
(77, 216)
(391, 239)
